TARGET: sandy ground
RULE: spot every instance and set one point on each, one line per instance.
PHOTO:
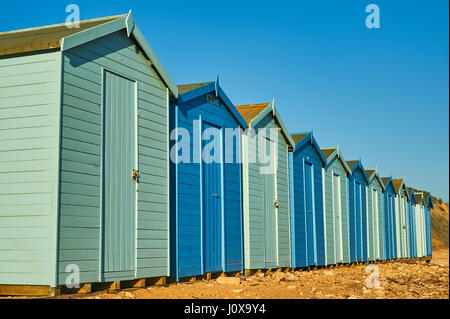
(397, 280)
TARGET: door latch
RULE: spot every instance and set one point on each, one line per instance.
(216, 195)
(275, 203)
(135, 175)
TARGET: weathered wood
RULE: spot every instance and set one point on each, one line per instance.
(85, 289)
(115, 285)
(140, 283)
(25, 290)
(162, 281)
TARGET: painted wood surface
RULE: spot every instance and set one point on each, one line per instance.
(420, 229)
(412, 226)
(357, 216)
(307, 214)
(81, 165)
(336, 213)
(401, 229)
(194, 188)
(375, 225)
(29, 130)
(119, 188)
(390, 242)
(254, 222)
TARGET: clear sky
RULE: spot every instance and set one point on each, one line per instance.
(381, 94)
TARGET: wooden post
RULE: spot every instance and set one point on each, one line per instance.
(139, 284)
(115, 285)
(85, 289)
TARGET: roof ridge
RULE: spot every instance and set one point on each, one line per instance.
(62, 24)
(254, 104)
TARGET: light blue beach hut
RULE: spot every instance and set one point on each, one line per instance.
(375, 232)
(83, 155)
(266, 218)
(335, 179)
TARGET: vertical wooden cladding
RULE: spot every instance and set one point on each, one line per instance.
(412, 224)
(336, 210)
(81, 221)
(357, 183)
(419, 211)
(119, 159)
(29, 97)
(307, 215)
(390, 243)
(258, 234)
(206, 197)
(428, 206)
(375, 230)
(401, 227)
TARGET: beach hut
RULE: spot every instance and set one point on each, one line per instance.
(357, 209)
(336, 172)
(266, 187)
(307, 217)
(390, 234)
(206, 187)
(428, 206)
(83, 155)
(419, 212)
(401, 217)
(412, 223)
(375, 233)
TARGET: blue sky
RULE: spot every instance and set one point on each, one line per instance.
(381, 94)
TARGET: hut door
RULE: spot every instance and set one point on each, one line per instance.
(391, 229)
(212, 209)
(376, 231)
(309, 207)
(358, 209)
(337, 218)
(270, 224)
(119, 187)
(403, 227)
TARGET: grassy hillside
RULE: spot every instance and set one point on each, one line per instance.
(439, 224)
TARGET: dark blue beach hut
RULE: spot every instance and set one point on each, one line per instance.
(206, 187)
(390, 242)
(357, 209)
(307, 215)
(428, 206)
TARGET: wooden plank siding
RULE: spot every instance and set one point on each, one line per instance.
(336, 167)
(254, 240)
(299, 228)
(375, 187)
(81, 162)
(401, 206)
(389, 211)
(29, 131)
(187, 190)
(357, 216)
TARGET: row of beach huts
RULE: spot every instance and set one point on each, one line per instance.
(103, 177)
